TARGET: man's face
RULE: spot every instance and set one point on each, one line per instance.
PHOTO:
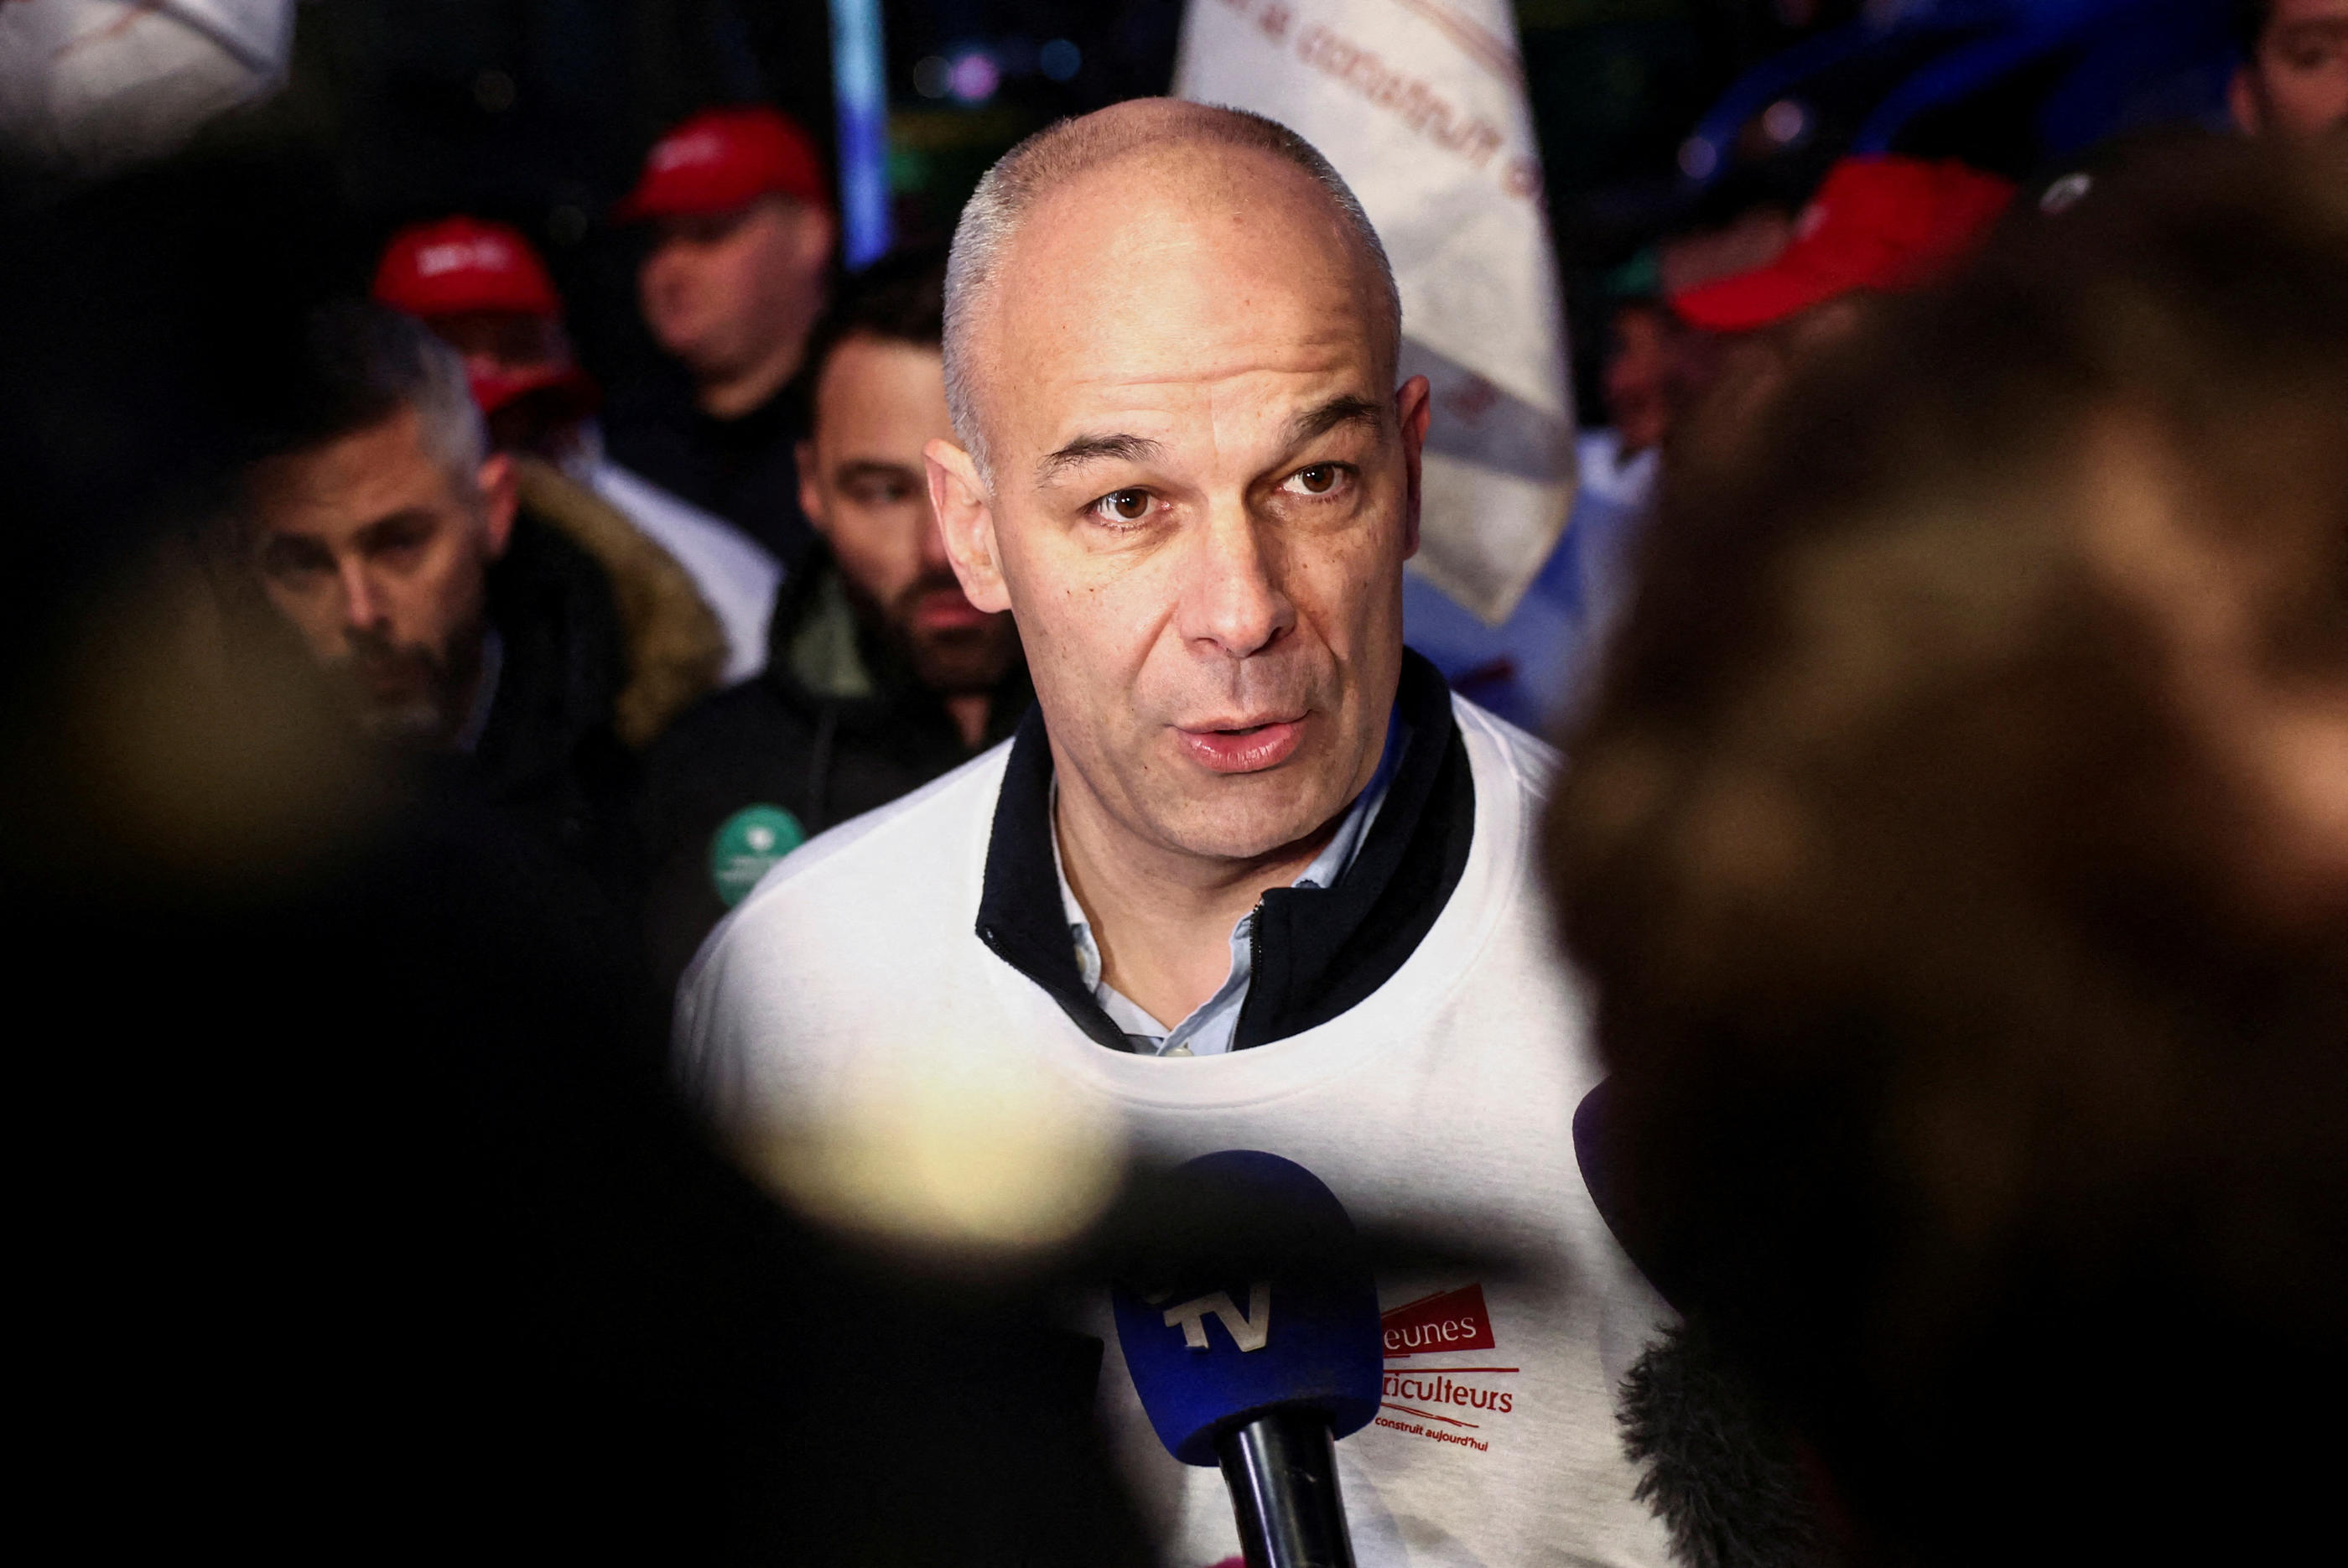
(879, 402)
(723, 292)
(1202, 486)
(2295, 83)
(379, 557)
(504, 342)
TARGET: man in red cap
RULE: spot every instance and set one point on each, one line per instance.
(733, 279)
(1878, 224)
(482, 289)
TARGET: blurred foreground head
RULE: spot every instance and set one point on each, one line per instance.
(1960, 848)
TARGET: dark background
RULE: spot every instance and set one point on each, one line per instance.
(538, 112)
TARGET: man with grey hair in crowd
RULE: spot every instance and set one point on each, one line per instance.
(1247, 876)
(459, 630)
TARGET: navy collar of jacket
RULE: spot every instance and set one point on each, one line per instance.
(1318, 951)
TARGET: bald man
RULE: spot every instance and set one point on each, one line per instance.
(1248, 875)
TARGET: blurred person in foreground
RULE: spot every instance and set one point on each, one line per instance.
(883, 676)
(483, 290)
(736, 270)
(1248, 875)
(1958, 849)
(368, 1200)
(460, 630)
(2293, 82)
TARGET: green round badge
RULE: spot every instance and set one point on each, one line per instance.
(751, 840)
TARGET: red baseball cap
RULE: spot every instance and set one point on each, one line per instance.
(1880, 223)
(460, 264)
(722, 158)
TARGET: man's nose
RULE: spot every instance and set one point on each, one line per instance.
(363, 605)
(1232, 600)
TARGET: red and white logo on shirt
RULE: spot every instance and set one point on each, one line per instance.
(1449, 1401)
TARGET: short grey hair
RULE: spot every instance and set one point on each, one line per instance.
(363, 363)
(453, 431)
(1060, 152)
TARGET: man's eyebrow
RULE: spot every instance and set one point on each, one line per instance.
(1349, 409)
(389, 526)
(1091, 448)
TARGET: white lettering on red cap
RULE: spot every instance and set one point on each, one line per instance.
(484, 255)
(695, 147)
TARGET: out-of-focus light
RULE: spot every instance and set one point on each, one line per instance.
(2066, 192)
(1785, 122)
(1060, 59)
(1698, 157)
(494, 91)
(982, 1161)
(860, 99)
(933, 76)
(975, 77)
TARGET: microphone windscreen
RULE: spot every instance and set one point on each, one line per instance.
(1254, 1294)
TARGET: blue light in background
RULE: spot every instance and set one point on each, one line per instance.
(1060, 59)
(863, 101)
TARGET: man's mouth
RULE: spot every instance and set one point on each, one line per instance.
(1242, 747)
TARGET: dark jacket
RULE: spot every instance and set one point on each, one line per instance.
(602, 640)
(548, 759)
(745, 468)
(835, 726)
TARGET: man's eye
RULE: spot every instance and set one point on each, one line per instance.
(401, 546)
(1122, 506)
(1321, 479)
(288, 559)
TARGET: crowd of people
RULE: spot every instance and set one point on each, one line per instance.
(666, 914)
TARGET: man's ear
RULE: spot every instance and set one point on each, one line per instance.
(496, 479)
(811, 493)
(965, 514)
(2242, 101)
(1413, 408)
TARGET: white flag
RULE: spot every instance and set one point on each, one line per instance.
(1420, 105)
(87, 87)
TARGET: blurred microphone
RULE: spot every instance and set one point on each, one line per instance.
(1250, 1329)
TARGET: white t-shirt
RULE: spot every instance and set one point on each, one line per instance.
(1442, 1103)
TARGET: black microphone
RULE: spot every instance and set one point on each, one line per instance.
(1252, 1333)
